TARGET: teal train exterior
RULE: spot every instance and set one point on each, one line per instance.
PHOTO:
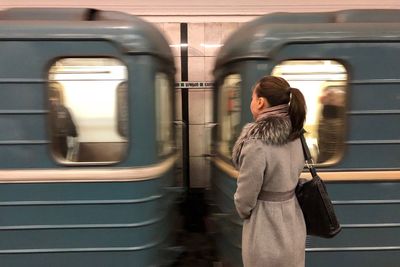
(93, 183)
(346, 63)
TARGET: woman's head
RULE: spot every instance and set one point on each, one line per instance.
(272, 91)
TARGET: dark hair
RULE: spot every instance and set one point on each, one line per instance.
(277, 91)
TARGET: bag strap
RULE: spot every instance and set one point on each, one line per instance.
(307, 156)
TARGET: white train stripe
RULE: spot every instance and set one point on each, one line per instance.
(326, 176)
(87, 175)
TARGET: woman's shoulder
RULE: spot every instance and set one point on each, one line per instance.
(252, 141)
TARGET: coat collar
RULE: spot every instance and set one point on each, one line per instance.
(273, 130)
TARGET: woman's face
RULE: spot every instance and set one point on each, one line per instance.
(257, 104)
(254, 105)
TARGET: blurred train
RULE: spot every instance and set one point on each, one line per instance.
(87, 142)
(346, 63)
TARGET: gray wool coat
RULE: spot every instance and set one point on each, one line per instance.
(274, 232)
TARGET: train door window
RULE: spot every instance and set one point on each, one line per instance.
(88, 110)
(323, 84)
(164, 114)
(229, 109)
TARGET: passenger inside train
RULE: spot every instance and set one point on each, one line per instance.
(331, 123)
(65, 134)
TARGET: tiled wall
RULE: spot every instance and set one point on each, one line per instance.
(204, 42)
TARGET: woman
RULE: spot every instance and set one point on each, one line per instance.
(269, 156)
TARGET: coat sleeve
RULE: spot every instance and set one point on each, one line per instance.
(252, 166)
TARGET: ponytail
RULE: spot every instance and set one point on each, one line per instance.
(297, 112)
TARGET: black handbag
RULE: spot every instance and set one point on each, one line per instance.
(315, 203)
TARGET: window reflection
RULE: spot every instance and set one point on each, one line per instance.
(88, 109)
(229, 113)
(323, 84)
(164, 114)
(122, 109)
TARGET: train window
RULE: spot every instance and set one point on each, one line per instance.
(323, 83)
(164, 114)
(229, 108)
(88, 110)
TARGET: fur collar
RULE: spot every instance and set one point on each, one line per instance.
(271, 130)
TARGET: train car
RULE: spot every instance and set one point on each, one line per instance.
(87, 142)
(346, 65)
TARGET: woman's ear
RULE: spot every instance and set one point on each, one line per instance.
(262, 103)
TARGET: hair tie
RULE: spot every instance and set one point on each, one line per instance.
(290, 95)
